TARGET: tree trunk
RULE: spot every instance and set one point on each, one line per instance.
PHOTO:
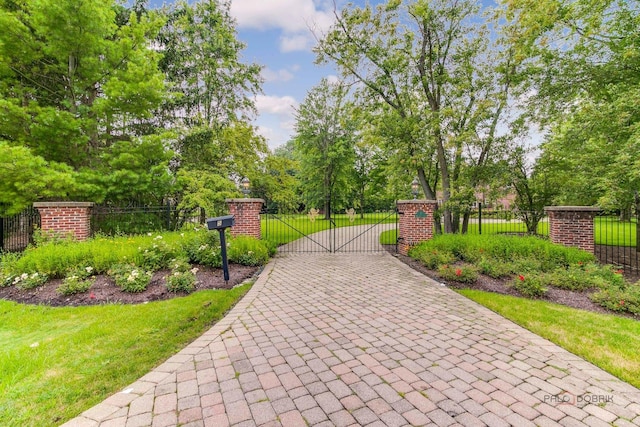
(431, 195)
(465, 222)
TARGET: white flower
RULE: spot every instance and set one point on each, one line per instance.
(149, 234)
(194, 270)
(250, 252)
(177, 273)
(130, 278)
(203, 247)
(158, 237)
(181, 234)
(24, 276)
(89, 269)
(34, 275)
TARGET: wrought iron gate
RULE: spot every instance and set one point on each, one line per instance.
(315, 232)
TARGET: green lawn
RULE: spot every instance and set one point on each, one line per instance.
(607, 341)
(57, 362)
(610, 231)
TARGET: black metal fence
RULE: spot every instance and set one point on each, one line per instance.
(114, 220)
(616, 243)
(16, 232)
(499, 221)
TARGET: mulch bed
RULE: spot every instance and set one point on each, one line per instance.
(104, 289)
(579, 300)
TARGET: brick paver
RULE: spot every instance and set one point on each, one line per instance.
(361, 339)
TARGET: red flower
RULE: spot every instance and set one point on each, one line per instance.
(521, 277)
(458, 272)
(579, 262)
(92, 295)
(621, 302)
(618, 271)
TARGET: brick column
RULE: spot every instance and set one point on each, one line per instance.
(572, 226)
(247, 216)
(65, 218)
(416, 222)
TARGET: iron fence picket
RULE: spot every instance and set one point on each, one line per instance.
(616, 243)
(111, 220)
(17, 231)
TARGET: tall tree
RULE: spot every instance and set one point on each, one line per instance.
(202, 61)
(584, 57)
(72, 81)
(77, 77)
(325, 137)
(442, 88)
(212, 99)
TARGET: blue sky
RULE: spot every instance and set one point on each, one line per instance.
(278, 37)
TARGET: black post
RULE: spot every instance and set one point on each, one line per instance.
(1, 234)
(479, 217)
(397, 221)
(168, 214)
(223, 252)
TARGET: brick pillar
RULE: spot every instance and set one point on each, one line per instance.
(416, 222)
(65, 218)
(247, 216)
(572, 226)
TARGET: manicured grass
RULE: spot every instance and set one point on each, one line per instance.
(610, 342)
(57, 362)
(610, 231)
(491, 226)
(292, 227)
(388, 237)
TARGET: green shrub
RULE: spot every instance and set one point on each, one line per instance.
(458, 273)
(157, 255)
(494, 268)
(182, 277)
(203, 248)
(526, 253)
(576, 278)
(130, 278)
(77, 281)
(74, 285)
(431, 258)
(530, 285)
(619, 299)
(609, 274)
(248, 250)
(29, 280)
(56, 259)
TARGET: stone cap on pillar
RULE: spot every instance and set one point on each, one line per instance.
(417, 201)
(572, 209)
(63, 204)
(244, 200)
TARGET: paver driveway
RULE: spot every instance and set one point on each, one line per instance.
(353, 339)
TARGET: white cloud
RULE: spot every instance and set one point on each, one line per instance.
(297, 19)
(295, 43)
(281, 75)
(266, 132)
(291, 16)
(278, 105)
(333, 79)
